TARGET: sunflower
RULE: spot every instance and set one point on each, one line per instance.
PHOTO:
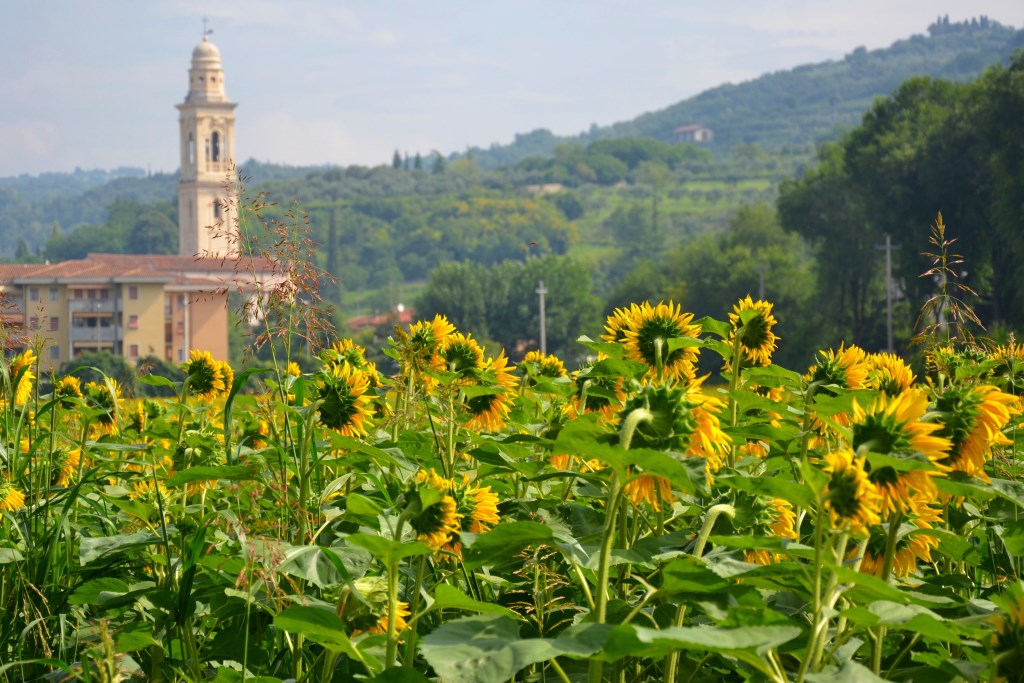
(973, 418)
(950, 361)
(146, 490)
(757, 341)
(205, 375)
(889, 373)
(850, 498)
(1008, 371)
(911, 548)
(780, 521)
(24, 364)
(618, 322)
(894, 426)
(424, 339)
(343, 399)
(67, 388)
(11, 498)
(647, 333)
(563, 461)
(293, 369)
(460, 354)
(137, 418)
(602, 394)
(227, 375)
(649, 488)
(847, 368)
(683, 420)
(1008, 640)
(536, 365)
(347, 350)
(438, 524)
(478, 506)
(401, 613)
(490, 411)
(105, 397)
(67, 464)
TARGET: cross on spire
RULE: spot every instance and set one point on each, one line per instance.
(206, 31)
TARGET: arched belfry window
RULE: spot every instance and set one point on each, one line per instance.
(216, 146)
(191, 150)
(207, 150)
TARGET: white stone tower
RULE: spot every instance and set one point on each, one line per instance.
(207, 122)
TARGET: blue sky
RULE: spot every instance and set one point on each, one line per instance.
(94, 84)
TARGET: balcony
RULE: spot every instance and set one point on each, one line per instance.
(96, 334)
(92, 306)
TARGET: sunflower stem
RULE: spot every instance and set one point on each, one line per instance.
(604, 560)
(672, 661)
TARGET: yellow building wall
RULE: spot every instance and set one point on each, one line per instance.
(208, 324)
(148, 333)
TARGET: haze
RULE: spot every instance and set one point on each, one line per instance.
(93, 85)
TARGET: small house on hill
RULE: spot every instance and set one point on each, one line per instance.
(693, 133)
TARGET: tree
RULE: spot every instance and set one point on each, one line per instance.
(396, 161)
(153, 233)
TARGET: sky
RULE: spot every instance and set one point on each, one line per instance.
(93, 84)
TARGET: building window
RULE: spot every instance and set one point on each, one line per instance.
(215, 143)
(33, 322)
(191, 150)
(54, 323)
(133, 322)
(54, 294)
(180, 327)
(104, 294)
(216, 209)
(133, 350)
(90, 293)
(54, 353)
(33, 294)
(79, 293)
(133, 292)
(181, 355)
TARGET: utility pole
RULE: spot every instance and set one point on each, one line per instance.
(761, 267)
(888, 247)
(543, 323)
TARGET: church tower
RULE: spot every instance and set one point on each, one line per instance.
(207, 121)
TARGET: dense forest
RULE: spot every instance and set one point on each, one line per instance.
(621, 219)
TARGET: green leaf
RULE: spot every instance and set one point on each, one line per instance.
(689, 576)
(449, 597)
(610, 349)
(320, 626)
(640, 641)
(770, 487)
(8, 555)
(483, 649)
(159, 381)
(136, 636)
(315, 564)
(211, 473)
(504, 541)
(91, 592)
(240, 380)
(709, 324)
(359, 504)
(397, 675)
(851, 672)
(92, 548)
(386, 550)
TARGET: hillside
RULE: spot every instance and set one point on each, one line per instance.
(800, 107)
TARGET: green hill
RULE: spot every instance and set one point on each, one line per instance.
(799, 107)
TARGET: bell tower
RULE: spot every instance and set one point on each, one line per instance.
(207, 122)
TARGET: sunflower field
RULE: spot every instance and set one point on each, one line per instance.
(469, 519)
